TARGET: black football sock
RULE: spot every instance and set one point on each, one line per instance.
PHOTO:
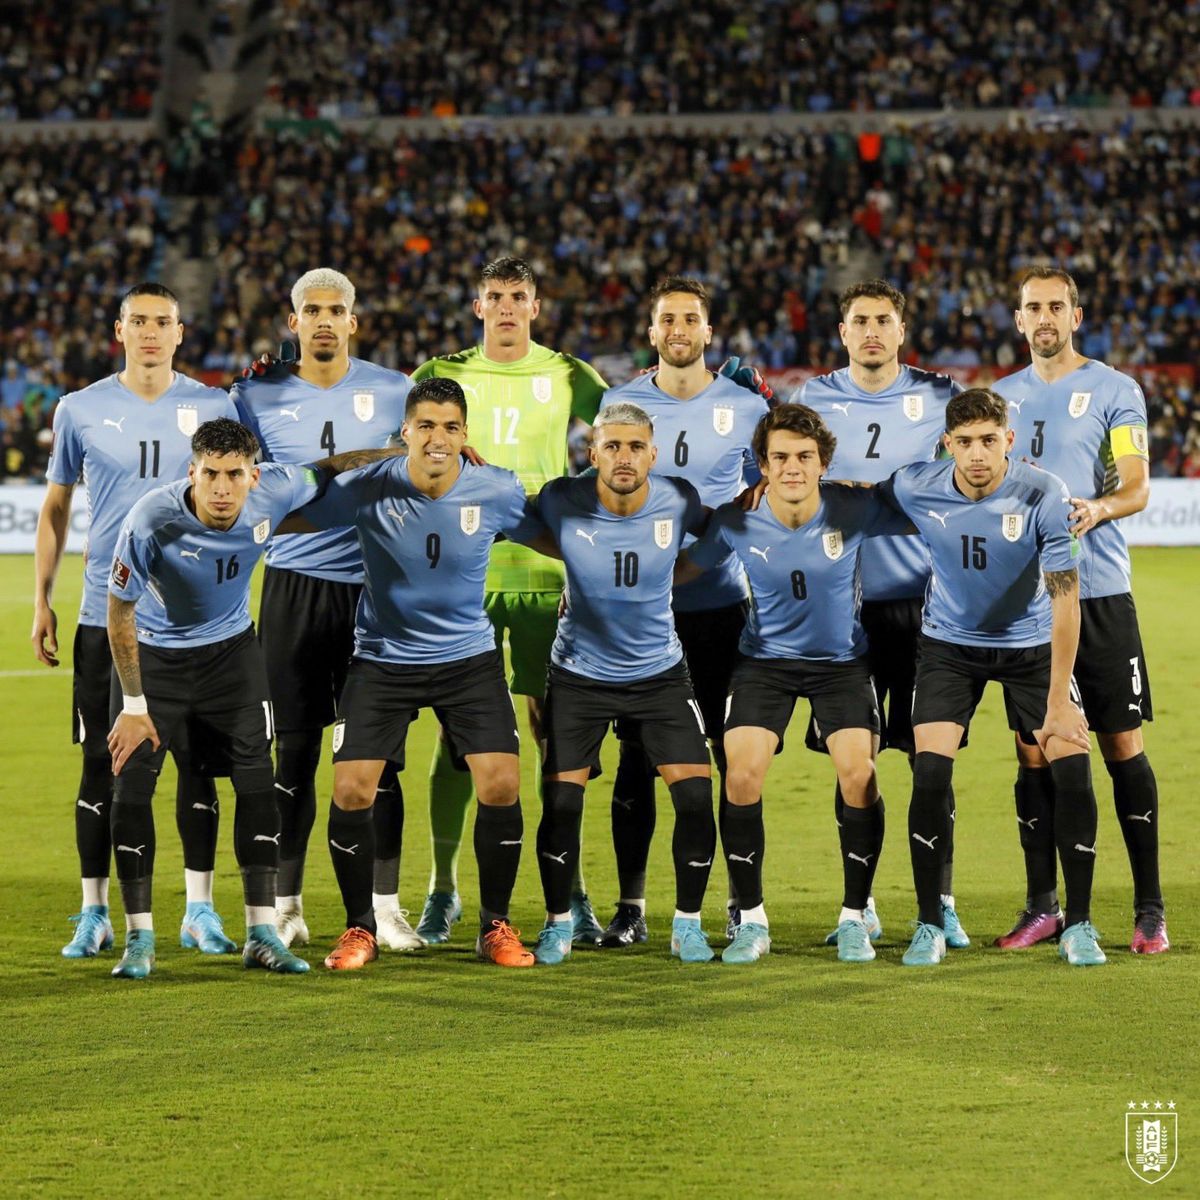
(499, 830)
(1135, 795)
(389, 832)
(694, 841)
(743, 840)
(133, 836)
(196, 817)
(1075, 832)
(256, 844)
(558, 841)
(1034, 791)
(948, 865)
(633, 819)
(928, 825)
(297, 754)
(93, 817)
(860, 841)
(723, 807)
(352, 848)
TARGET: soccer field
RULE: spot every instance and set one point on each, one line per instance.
(618, 1073)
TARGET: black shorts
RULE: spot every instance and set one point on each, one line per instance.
(307, 632)
(951, 679)
(1110, 668)
(91, 685)
(892, 628)
(710, 649)
(469, 697)
(216, 696)
(579, 711)
(764, 691)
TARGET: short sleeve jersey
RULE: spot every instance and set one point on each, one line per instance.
(988, 555)
(518, 414)
(425, 559)
(298, 422)
(705, 440)
(1077, 427)
(805, 589)
(618, 624)
(877, 433)
(122, 448)
(196, 580)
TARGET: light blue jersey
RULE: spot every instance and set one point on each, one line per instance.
(196, 580)
(299, 422)
(805, 590)
(618, 624)
(705, 440)
(1078, 427)
(988, 555)
(426, 560)
(123, 447)
(878, 433)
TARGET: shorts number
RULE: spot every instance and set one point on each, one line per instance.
(327, 439)
(433, 549)
(1038, 443)
(974, 552)
(149, 457)
(500, 435)
(681, 449)
(625, 569)
(1136, 678)
(874, 429)
(227, 570)
(799, 587)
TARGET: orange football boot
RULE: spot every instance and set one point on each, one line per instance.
(503, 946)
(355, 948)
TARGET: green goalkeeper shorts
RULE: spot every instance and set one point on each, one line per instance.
(530, 620)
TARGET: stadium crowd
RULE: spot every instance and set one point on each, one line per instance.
(950, 216)
(373, 57)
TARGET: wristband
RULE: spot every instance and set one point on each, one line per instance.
(135, 706)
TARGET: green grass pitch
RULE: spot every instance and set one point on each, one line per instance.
(616, 1074)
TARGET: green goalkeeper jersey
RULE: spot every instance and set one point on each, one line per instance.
(518, 414)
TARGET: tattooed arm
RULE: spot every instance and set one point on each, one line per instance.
(1063, 720)
(133, 725)
(351, 460)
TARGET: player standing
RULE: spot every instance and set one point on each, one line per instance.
(123, 436)
(311, 585)
(616, 654)
(1003, 605)
(884, 416)
(704, 422)
(523, 397)
(1086, 423)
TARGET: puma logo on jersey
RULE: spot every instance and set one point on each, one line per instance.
(591, 537)
(399, 516)
(926, 841)
(294, 413)
(191, 554)
(938, 516)
(761, 553)
(844, 409)
(115, 424)
(1017, 403)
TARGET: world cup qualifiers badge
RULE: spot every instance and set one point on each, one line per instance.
(1151, 1139)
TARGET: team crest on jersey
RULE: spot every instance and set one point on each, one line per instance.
(187, 417)
(262, 531)
(364, 405)
(1011, 525)
(914, 406)
(542, 388)
(723, 419)
(468, 518)
(664, 533)
(1079, 403)
(831, 543)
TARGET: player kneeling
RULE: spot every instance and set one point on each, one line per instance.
(803, 638)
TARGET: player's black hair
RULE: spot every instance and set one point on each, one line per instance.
(507, 268)
(800, 420)
(438, 389)
(1049, 273)
(679, 283)
(223, 436)
(872, 289)
(148, 289)
(976, 404)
